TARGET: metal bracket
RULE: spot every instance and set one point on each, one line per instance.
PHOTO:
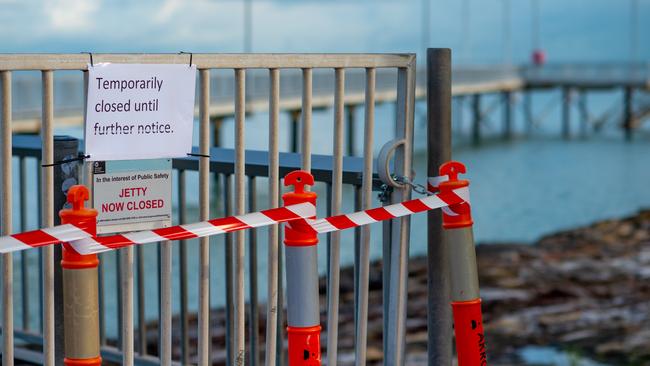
(383, 163)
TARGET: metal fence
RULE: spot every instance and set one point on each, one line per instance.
(224, 171)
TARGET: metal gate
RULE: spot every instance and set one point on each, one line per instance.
(217, 176)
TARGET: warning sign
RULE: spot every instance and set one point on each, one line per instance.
(132, 200)
(139, 111)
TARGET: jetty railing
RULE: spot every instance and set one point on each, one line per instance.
(235, 170)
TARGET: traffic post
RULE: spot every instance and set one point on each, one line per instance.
(303, 315)
(80, 287)
(465, 298)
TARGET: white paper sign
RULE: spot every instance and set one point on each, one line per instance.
(139, 111)
(133, 200)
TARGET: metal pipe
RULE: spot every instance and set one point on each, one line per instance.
(366, 203)
(439, 324)
(240, 208)
(254, 321)
(228, 244)
(333, 280)
(165, 321)
(76, 61)
(182, 271)
(24, 256)
(305, 147)
(204, 213)
(400, 233)
(126, 287)
(272, 309)
(5, 210)
(142, 322)
(47, 212)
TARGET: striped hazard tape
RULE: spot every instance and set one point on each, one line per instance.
(269, 217)
(84, 243)
(224, 225)
(41, 237)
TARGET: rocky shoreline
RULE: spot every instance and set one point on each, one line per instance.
(587, 290)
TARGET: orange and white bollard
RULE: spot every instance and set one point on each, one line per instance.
(303, 315)
(80, 287)
(466, 301)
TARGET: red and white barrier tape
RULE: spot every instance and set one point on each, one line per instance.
(347, 221)
(41, 237)
(224, 225)
(85, 244)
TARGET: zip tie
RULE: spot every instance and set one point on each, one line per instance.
(191, 55)
(199, 155)
(92, 64)
(81, 157)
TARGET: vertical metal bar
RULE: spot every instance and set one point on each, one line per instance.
(230, 329)
(240, 208)
(305, 147)
(39, 196)
(88, 166)
(281, 328)
(439, 320)
(24, 256)
(254, 320)
(142, 322)
(165, 320)
(357, 249)
(400, 233)
(204, 212)
(366, 203)
(47, 157)
(101, 274)
(272, 309)
(333, 282)
(126, 286)
(118, 280)
(182, 270)
(7, 258)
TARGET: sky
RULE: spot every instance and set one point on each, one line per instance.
(570, 30)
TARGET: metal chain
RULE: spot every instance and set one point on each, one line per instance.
(418, 188)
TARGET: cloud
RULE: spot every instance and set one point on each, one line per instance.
(72, 15)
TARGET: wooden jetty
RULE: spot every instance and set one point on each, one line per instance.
(468, 83)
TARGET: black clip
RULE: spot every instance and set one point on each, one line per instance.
(80, 157)
(199, 155)
(190, 53)
(92, 64)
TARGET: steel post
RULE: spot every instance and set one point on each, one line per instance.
(439, 324)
